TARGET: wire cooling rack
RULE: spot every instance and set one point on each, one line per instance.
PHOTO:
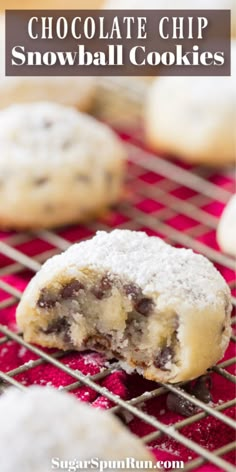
(165, 198)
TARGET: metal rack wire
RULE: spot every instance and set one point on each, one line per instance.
(144, 170)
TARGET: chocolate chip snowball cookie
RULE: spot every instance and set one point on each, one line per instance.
(162, 311)
(57, 166)
(226, 232)
(194, 117)
(45, 428)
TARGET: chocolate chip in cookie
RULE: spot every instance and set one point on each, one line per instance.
(104, 286)
(47, 299)
(144, 306)
(60, 325)
(40, 181)
(132, 290)
(165, 356)
(71, 289)
(98, 342)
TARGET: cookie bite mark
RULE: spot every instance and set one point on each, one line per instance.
(103, 312)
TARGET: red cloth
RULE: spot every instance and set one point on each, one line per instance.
(208, 432)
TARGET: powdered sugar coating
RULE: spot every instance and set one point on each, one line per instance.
(42, 423)
(57, 166)
(166, 314)
(44, 133)
(177, 276)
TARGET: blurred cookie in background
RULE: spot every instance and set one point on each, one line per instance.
(48, 429)
(50, 4)
(226, 232)
(57, 166)
(193, 118)
(176, 5)
(72, 91)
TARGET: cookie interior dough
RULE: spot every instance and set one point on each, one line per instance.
(161, 311)
(42, 424)
(226, 232)
(194, 118)
(57, 166)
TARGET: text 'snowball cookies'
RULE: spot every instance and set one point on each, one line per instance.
(226, 231)
(43, 426)
(194, 117)
(162, 311)
(57, 166)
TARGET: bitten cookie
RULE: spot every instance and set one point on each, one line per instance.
(44, 426)
(57, 166)
(194, 117)
(162, 311)
(173, 5)
(226, 232)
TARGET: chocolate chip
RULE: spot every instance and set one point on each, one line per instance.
(108, 178)
(104, 286)
(200, 388)
(132, 290)
(60, 325)
(40, 181)
(98, 343)
(47, 299)
(49, 208)
(47, 124)
(66, 144)
(83, 178)
(180, 405)
(165, 356)
(144, 306)
(71, 289)
(176, 324)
